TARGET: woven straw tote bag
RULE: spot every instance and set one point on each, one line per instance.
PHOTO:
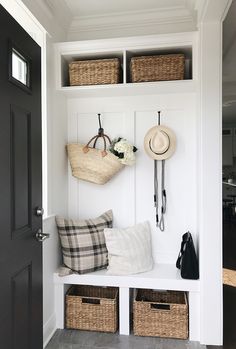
(91, 164)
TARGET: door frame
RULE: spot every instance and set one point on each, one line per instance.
(211, 17)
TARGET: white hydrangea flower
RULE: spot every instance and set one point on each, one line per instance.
(126, 149)
(129, 158)
(123, 146)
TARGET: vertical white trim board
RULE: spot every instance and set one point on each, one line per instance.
(210, 186)
(210, 170)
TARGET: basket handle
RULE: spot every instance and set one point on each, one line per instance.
(94, 301)
(95, 138)
(155, 306)
(104, 140)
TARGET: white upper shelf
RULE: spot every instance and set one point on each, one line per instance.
(130, 89)
(124, 49)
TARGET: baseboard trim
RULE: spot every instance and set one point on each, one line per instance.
(49, 329)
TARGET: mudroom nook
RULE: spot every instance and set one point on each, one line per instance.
(126, 97)
(130, 192)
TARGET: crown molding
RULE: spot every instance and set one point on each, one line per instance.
(211, 10)
(131, 19)
(60, 12)
(191, 5)
(201, 6)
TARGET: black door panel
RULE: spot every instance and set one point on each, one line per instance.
(20, 189)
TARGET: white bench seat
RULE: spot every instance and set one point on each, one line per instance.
(162, 277)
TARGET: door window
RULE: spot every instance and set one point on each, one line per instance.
(20, 68)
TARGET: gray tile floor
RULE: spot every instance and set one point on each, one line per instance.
(72, 339)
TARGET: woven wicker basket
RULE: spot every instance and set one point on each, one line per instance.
(157, 68)
(161, 314)
(94, 72)
(91, 165)
(92, 308)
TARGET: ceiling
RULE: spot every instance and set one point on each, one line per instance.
(101, 7)
(95, 19)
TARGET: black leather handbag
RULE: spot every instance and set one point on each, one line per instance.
(187, 260)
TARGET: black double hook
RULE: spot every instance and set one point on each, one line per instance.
(100, 130)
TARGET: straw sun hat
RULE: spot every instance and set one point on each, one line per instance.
(160, 142)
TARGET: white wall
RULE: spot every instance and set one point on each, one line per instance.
(51, 260)
(56, 190)
(130, 193)
(56, 140)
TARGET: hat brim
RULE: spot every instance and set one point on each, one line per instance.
(172, 145)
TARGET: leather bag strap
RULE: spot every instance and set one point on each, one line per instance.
(95, 139)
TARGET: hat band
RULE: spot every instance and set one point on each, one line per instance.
(160, 153)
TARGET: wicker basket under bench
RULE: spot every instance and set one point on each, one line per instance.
(92, 308)
(94, 72)
(161, 314)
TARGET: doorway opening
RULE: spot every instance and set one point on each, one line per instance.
(229, 177)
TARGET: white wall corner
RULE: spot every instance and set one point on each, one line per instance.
(50, 17)
(210, 10)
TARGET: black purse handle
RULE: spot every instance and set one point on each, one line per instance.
(186, 238)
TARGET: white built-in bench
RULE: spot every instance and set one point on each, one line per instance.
(162, 277)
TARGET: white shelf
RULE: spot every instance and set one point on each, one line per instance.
(230, 184)
(130, 89)
(162, 277)
(125, 49)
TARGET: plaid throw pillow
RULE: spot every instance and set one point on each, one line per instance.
(83, 242)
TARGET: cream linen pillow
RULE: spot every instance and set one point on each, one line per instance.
(129, 249)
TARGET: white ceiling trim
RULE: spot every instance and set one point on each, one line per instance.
(201, 7)
(45, 8)
(58, 11)
(210, 11)
(132, 19)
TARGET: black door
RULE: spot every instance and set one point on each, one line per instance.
(20, 188)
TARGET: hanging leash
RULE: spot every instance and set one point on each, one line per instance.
(160, 224)
(163, 196)
(156, 191)
(160, 145)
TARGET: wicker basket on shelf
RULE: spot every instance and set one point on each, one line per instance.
(157, 68)
(94, 72)
(161, 314)
(92, 308)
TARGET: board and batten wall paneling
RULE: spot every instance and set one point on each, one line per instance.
(130, 193)
(180, 179)
(90, 200)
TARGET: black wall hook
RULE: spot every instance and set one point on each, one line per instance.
(100, 130)
(159, 118)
